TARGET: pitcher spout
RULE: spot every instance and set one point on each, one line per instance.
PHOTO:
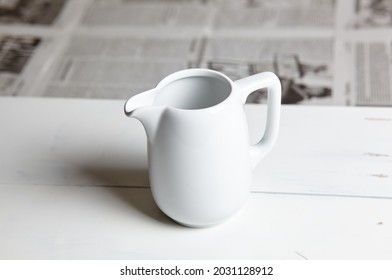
(144, 99)
(141, 108)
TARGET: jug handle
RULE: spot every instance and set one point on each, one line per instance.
(248, 85)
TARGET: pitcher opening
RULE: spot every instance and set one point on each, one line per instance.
(194, 92)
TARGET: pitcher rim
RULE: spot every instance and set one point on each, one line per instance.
(196, 72)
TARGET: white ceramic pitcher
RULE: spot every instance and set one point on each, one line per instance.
(199, 156)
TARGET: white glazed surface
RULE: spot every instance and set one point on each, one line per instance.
(200, 160)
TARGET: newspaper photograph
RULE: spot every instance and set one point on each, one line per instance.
(372, 14)
(41, 12)
(15, 53)
(304, 66)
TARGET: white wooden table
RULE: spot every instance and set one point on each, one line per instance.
(74, 185)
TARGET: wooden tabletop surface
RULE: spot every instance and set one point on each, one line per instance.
(74, 185)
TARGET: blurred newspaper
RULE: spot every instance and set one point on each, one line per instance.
(336, 52)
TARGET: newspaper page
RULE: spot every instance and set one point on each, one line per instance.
(372, 72)
(325, 52)
(116, 68)
(368, 48)
(26, 33)
(277, 14)
(151, 13)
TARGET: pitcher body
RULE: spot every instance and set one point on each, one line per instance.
(199, 157)
(199, 164)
